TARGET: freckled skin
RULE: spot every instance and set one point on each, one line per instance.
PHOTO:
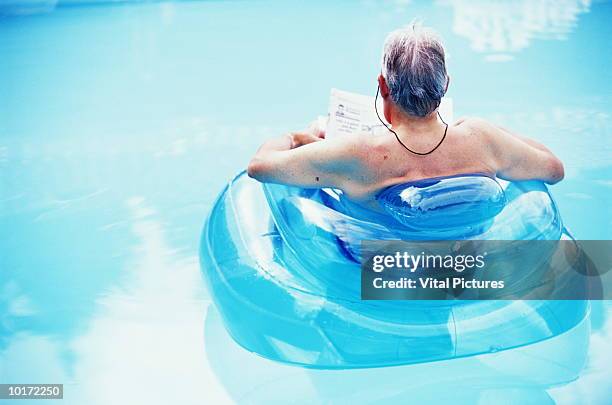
(364, 164)
(384, 162)
(472, 145)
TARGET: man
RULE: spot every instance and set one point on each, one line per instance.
(418, 145)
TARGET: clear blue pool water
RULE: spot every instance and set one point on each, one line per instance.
(120, 123)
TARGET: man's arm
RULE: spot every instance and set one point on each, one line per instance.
(302, 159)
(519, 158)
(528, 141)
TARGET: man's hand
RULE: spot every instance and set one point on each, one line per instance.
(304, 138)
(313, 133)
(317, 127)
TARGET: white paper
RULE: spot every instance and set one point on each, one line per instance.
(351, 112)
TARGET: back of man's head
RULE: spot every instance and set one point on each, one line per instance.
(414, 69)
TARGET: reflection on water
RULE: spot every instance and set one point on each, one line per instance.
(593, 386)
(15, 308)
(522, 375)
(145, 331)
(500, 28)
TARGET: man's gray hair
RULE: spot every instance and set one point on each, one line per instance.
(414, 68)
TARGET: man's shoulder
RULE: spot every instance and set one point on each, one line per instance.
(475, 127)
(473, 123)
(358, 142)
(357, 150)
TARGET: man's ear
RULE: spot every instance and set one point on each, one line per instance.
(384, 89)
(384, 92)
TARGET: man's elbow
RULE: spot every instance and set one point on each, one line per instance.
(256, 169)
(556, 170)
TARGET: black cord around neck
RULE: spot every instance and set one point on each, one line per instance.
(397, 136)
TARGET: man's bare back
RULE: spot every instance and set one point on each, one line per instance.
(362, 165)
(384, 162)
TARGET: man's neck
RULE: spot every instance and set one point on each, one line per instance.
(404, 122)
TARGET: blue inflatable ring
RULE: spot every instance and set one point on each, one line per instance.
(281, 264)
